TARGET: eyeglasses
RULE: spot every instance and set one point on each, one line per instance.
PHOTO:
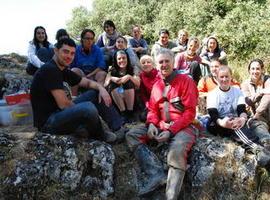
(88, 38)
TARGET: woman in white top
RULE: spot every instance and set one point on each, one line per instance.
(39, 50)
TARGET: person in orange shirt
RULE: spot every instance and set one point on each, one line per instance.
(209, 82)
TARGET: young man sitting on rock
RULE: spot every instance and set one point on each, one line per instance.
(53, 111)
(172, 109)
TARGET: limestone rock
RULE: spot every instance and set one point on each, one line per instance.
(51, 165)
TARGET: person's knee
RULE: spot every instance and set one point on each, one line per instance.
(88, 110)
(77, 71)
(101, 75)
(133, 140)
(177, 157)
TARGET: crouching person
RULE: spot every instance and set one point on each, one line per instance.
(172, 108)
(53, 111)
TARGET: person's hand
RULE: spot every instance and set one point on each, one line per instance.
(116, 80)
(152, 131)
(226, 122)
(125, 79)
(104, 95)
(163, 136)
(238, 122)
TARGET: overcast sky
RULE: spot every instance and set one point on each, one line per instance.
(18, 18)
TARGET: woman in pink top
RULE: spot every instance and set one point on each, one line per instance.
(188, 62)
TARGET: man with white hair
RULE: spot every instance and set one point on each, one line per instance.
(172, 109)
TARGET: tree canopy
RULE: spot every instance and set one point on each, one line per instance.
(241, 26)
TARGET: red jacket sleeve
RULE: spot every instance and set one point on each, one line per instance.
(153, 115)
(189, 99)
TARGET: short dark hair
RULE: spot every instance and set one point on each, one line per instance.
(60, 33)
(258, 61)
(163, 30)
(108, 23)
(87, 30)
(66, 41)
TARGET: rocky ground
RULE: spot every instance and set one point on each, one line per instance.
(39, 166)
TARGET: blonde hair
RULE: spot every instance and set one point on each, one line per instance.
(145, 57)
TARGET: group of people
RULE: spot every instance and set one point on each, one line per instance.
(106, 76)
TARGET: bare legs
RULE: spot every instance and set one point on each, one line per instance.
(124, 101)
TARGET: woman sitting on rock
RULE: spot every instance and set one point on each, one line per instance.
(181, 42)
(212, 52)
(163, 42)
(106, 41)
(188, 62)
(121, 44)
(228, 116)
(256, 90)
(39, 50)
(121, 83)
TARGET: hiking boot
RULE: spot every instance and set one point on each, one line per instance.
(174, 183)
(109, 137)
(153, 169)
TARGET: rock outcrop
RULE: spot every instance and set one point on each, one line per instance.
(49, 167)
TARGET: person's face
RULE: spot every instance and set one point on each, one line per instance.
(182, 37)
(109, 29)
(255, 71)
(214, 68)
(164, 38)
(120, 44)
(224, 79)
(212, 45)
(147, 65)
(192, 47)
(121, 60)
(136, 32)
(40, 34)
(65, 55)
(88, 40)
(164, 64)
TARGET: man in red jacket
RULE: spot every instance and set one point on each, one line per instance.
(172, 109)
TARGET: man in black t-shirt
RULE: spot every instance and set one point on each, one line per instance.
(53, 111)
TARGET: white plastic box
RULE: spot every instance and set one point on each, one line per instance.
(17, 114)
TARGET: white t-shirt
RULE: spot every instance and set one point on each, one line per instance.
(225, 102)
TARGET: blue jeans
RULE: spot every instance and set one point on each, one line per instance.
(108, 114)
(261, 130)
(81, 115)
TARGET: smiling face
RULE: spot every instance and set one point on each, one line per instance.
(109, 29)
(164, 38)
(64, 55)
(120, 43)
(40, 35)
(214, 66)
(212, 45)
(146, 63)
(182, 37)
(121, 60)
(193, 47)
(224, 78)
(255, 71)
(164, 64)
